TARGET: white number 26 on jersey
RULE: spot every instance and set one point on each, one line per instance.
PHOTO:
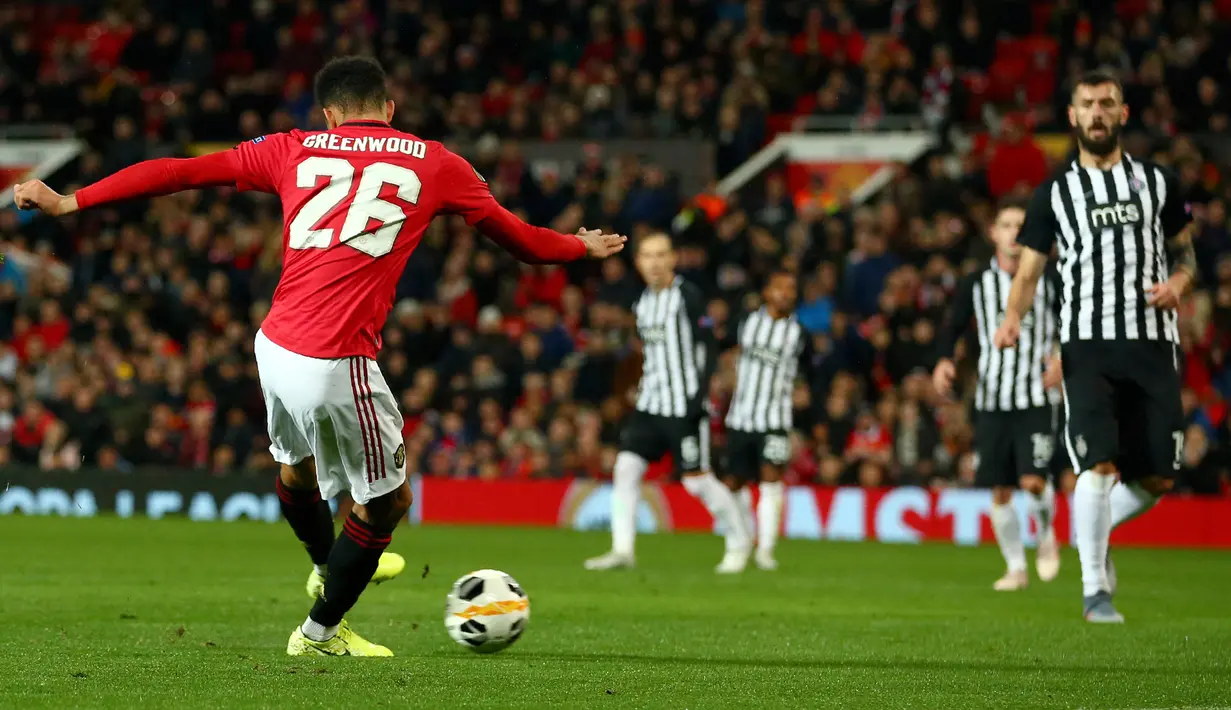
(366, 206)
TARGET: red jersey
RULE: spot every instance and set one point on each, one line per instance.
(356, 201)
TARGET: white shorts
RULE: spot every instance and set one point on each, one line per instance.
(339, 412)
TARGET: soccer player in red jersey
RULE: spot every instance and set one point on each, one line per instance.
(356, 199)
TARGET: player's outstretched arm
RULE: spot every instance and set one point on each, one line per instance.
(539, 245)
(149, 178)
(465, 193)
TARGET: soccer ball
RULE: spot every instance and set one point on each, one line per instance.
(486, 611)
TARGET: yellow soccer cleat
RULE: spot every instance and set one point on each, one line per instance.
(391, 565)
(344, 643)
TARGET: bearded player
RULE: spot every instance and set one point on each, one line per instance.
(1125, 239)
(356, 199)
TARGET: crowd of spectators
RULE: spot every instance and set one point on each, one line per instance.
(127, 332)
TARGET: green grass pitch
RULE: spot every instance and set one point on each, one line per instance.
(107, 613)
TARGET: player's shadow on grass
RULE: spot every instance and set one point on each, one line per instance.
(871, 664)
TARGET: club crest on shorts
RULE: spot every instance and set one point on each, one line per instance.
(399, 456)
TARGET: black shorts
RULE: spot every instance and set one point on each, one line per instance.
(651, 437)
(747, 450)
(1122, 403)
(1013, 444)
(1060, 461)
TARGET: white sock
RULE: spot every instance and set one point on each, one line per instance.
(321, 569)
(769, 514)
(1043, 510)
(1092, 519)
(744, 498)
(1128, 502)
(720, 502)
(1008, 531)
(625, 495)
(318, 632)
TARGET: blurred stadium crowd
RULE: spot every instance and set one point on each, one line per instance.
(127, 333)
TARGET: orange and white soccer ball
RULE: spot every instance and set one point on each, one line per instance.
(486, 611)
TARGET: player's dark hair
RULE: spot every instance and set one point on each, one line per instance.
(1097, 77)
(655, 235)
(1009, 202)
(352, 84)
(777, 272)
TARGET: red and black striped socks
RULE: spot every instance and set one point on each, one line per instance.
(310, 518)
(352, 562)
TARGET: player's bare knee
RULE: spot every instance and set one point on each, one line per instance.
(401, 500)
(733, 482)
(1002, 495)
(1033, 483)
(300, 476)
(1157, 485)
(387, 510)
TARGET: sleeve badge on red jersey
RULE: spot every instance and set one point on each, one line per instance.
(258, 139)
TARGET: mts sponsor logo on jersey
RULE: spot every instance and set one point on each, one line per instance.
(1114, 215)
(366, 144)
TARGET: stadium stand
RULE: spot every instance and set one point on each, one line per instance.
(127, 333)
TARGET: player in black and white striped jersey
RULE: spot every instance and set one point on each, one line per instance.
(1126, 259)
(771, 342)
(672, 412)
(1015, 398)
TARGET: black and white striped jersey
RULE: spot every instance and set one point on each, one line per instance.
(1111, 228)
(770, 349)
(677, 348)
(1009, 379)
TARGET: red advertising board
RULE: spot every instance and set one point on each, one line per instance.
(905, 515)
